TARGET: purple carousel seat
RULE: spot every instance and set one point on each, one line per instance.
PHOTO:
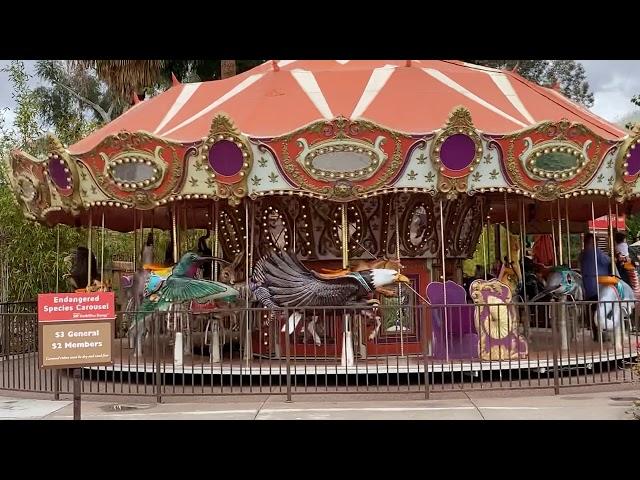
(461, 336)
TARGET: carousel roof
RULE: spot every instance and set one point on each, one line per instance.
(410, 96)
(338, 130)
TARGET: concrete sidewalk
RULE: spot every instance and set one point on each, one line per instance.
(614, 405)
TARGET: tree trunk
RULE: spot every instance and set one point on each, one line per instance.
(227, 68)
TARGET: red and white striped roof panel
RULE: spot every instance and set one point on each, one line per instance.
(416, 98)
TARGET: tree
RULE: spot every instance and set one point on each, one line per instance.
(72, 86)
(143, 76)
(568, 75)
(28, 260)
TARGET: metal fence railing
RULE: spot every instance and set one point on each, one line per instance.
(418, 348)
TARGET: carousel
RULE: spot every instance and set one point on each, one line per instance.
(323, 210)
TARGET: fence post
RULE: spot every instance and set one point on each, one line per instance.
(77, 394)
(424, 358)
(288, 355)
(56, 384)
(158, 362)
(554, 346)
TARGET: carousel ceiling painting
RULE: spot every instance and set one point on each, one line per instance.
(340, 131)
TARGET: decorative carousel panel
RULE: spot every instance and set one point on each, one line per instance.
(32, 190)
(231, 232)
(265, 176)
(418, 227)
(275, 228)
(463, 220)
(603, 180)
(628, 167)
(456, 151)
(489, 173)
(553, 159)
(364, 222)
(135, 169)
(226, 156)
(341, 159)
(284, 223)
(419, 171)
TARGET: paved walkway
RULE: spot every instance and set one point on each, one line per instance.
(582, 406)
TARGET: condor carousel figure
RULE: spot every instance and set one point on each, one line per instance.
(280, 280)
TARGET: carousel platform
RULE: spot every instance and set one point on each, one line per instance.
(583, 354)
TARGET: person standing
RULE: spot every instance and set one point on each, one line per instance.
(588, 262)
(593, 264)
(623, 262)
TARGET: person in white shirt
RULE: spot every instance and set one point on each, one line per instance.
(623, 262)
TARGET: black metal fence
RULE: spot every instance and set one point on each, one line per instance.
(419, 348)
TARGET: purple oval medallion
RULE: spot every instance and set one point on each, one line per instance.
(457, 152)
(634, 161)
(59, 177)
(226, 158)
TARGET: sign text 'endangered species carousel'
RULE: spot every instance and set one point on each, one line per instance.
(76, 329)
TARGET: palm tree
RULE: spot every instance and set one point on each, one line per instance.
(126, 76)
(227, 68)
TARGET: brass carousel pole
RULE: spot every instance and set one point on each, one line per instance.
(347, 345)
(247, 259)
(57, 258)
(345, 238)
(102, 251)
(595, 260)
(611, 246)
(89, 248)
(216, 234)
(135, 240)
(489, 240)
(174, 233)
(553, 236)
(506, 221)
(566, 214)
(562, 320)
(560, 255)
(400, 310)
(212, 217)
(523, 239)
(484, 239)
(141, 246)
(444, 283)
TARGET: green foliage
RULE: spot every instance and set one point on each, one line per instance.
(569, 74)
(633, 228)
(29, 263)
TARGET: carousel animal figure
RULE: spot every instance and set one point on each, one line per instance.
(179, 287)
(616, 305)
(454, 335)
(280, 280)
(496, 322)
(564, 285)
(616, 302)
(510, 272)
(362, 265)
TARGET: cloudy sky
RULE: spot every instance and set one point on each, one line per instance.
(613, 83)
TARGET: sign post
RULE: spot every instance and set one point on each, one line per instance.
(75, 330)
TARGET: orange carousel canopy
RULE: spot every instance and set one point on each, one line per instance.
(410, 96)
(339, 130)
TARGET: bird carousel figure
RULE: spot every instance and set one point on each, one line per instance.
(168, 293)
(281, 281)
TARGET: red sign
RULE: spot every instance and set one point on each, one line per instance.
(68, 307)
(602, 223)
